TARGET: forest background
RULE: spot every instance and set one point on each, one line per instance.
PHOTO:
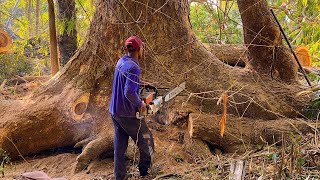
(213, 21)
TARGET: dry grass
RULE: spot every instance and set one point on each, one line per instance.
(299, 159)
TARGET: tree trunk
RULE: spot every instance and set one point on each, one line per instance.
(37, 15)
(232, 54)
(53, 39)
(28, 10)
(72, 106)
(9, 22)
(68, 38)
(263, 38)
(242, 133)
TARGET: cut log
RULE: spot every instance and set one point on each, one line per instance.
(242, 133)
(5, 41)
(232, 54)
(237, 170)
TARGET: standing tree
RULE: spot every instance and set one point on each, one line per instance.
(37, 15)
(68, 38)
(264, 41)
(72, 106)
(53, 39)
(28, 10)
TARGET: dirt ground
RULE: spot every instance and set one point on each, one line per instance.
(169, 157)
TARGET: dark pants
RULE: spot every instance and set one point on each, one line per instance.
(123, 129)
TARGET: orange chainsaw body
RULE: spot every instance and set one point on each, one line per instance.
(147, 97)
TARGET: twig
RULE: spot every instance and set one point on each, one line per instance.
(16, 149)
(21, 78)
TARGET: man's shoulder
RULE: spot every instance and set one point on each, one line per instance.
(130, 63)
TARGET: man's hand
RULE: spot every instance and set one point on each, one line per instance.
(143, 108)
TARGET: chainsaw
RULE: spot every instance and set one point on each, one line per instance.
(149, 94)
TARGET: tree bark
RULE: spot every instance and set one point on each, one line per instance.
(68, 38)
(53, 39)
(72, 106)
(263, 38)
(243, 133)
(232, 54)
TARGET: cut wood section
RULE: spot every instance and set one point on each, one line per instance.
(303, 55)
(79, 107)
(5, 41)
(241, 133)
(232, 54)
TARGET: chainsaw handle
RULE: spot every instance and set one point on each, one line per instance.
(149, 87)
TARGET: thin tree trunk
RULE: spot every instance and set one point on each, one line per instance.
(37, 14)
(53, 39)
(29, 17)
(8, 24)
(68, 38)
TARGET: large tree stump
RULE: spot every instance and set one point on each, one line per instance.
(242, 133)
(73, 105)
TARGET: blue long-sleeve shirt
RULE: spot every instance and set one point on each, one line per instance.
(125, 100)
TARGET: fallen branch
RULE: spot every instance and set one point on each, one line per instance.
(3, 84)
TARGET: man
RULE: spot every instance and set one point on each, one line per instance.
(124, 105)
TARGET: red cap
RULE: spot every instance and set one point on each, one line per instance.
(133, 41)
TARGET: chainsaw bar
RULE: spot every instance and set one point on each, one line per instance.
(170, 95)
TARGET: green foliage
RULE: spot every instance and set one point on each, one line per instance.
(220, 22)
(5, 159)
(214, 23)
(85, 10)
(313, 110)
(30, 53)
(273, 157)
(301, 21)
(14, 64)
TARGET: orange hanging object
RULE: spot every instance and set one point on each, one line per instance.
(5, 41)
(224, 115)
(303, 55)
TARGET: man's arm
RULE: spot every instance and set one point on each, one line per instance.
(131, 87)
